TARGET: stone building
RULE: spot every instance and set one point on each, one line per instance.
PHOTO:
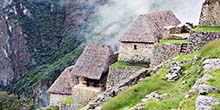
(137, 43)
(92, 69)
(61, 89)
(87, 78)
(210, 15)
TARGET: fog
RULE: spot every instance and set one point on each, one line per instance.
(115, 16)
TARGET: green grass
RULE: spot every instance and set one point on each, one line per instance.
(134, 94)
(123, 65)
(189, 103)
(67, 101)
(211, 50)
(216, 107)
(172, 41)
(207, 29)
(176, 90)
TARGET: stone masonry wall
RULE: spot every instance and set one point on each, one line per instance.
(82, 94)
(142, 54)
(199, 39)
(124, 84)
(57, 99)
(210, 15)
(118, 74)
(164, 52)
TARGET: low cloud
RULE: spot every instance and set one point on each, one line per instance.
(114, 17)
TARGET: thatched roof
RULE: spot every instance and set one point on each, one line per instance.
(94, 61)
(149, 28)
(64, 83)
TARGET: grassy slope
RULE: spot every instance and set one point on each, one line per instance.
(176, 91)
(208, 28)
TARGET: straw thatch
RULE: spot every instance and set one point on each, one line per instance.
(94, 61)
(64, 83)
(149, 28)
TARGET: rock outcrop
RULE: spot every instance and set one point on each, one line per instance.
(211, 64)
(13, 50)
(175, 71)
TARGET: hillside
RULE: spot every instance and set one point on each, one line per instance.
(38, 40)
(179, 93)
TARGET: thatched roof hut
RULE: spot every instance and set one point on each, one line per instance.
(149, 28)
(94, 61)
(64, 83)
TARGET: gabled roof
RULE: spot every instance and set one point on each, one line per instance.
(149, 28)
(64, 83)
(94, 61)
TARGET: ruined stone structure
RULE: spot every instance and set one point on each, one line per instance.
(116, 75)
(137, 43)
(62, 87)
(210, 15)
(87, 78)
(180, 31)
(199, 39)
(164, 52)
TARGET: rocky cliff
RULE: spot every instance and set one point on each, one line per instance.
(38, 39)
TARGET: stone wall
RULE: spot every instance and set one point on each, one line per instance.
(123, 85)
(199, 39)
(210, 15)
(82, 94)
(57, 99)
(164, 52)
(142, 53)
(118, 74)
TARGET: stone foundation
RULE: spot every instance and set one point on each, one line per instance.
(57, 99)
(199, 39)
(82, 94)
(118, 74)
(138, 52)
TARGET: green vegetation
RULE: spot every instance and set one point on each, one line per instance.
(120, 64)
(189, 103)
(134, 94)
(172, 41)
(67, 101)
(208, 29)
(216, 107)
(44, 74)
(211, 50)
(175, 98)
(12, 102)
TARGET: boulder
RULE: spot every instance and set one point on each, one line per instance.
(211, 64)
(175, 71)
(205, 102)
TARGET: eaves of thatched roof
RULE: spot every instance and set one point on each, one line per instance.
(94, 61)
(149, 28)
